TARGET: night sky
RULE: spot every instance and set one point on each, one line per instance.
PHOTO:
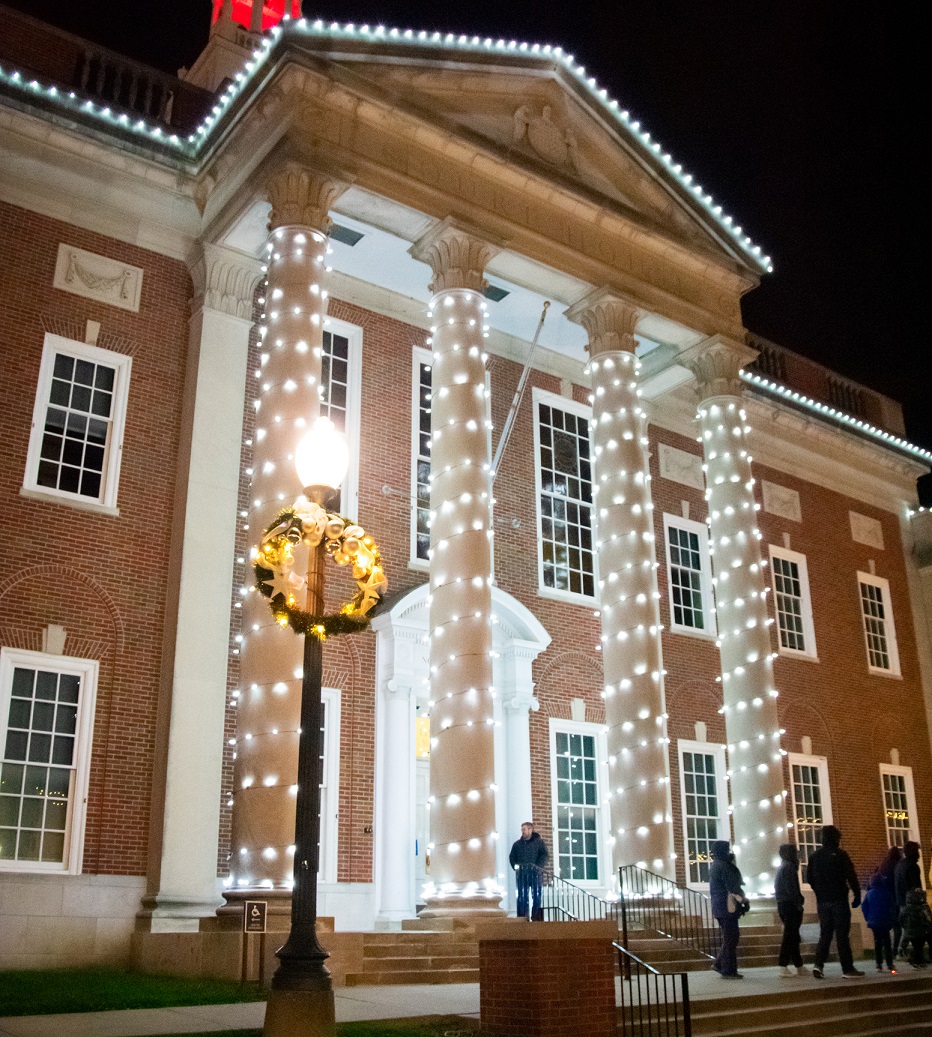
(802, 119)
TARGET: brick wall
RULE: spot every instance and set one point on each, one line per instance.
(102, 578)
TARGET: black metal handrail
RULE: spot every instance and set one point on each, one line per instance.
(653, 1003)
(651, 902)
(560, 897)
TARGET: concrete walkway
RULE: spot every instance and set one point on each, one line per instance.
(407, 1002)
(352, 1004)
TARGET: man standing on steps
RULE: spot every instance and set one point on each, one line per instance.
(528, 857)
(831, 875)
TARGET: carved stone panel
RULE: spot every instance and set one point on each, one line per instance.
(682, 467)
(98, 277)
(866, 530)
(782, 501)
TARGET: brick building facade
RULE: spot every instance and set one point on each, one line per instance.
(138, 303)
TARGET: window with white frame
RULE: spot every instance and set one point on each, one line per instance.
(46, 720)
(77, 423)
(792, 602)
(564, 492)
(689, 577)
(879, 631)
(576, 753)
(340, 399)
(812, 804)
(420, 460)
(704, 795)
(899, 804)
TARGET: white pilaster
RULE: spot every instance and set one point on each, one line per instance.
(749, 696)
(208, 484)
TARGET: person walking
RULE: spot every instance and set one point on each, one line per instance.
(916, 920)
(906, 876)
(790, 904)
(880, 912)
(831, 874)
(728, 904)
(887, 871)
(528, 857)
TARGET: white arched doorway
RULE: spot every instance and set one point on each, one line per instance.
(402, 778)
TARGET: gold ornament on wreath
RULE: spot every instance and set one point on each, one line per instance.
(347, 544)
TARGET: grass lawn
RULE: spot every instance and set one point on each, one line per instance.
(52, 991)
(437, 1026)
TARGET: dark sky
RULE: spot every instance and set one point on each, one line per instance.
(802, 119)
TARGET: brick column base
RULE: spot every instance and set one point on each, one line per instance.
(547, 979)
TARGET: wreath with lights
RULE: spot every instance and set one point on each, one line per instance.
(345, 542)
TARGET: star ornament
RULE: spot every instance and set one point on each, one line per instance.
(283, 582)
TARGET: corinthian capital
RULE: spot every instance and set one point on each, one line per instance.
(609, 320)
(456, 256)
(716, 362)
(224, 280)
(302, 197)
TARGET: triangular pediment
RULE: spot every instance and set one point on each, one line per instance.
(545, 122)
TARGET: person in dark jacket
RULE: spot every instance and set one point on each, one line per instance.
(887, 871)
(728, 904)
(528, 857)
(906, 876)
(831, 874)
(916, 920)
(790, 903)
(880, 912)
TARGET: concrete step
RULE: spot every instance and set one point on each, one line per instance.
(414, 976)
(809, 1008)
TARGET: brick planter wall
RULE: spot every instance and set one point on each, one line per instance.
(555, 979)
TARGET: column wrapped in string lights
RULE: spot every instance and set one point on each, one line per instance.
(748, 693)
(462, 771)
(288, 401)
(635, 712)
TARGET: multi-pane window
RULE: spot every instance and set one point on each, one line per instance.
(77, 427)
(792, 602)
(879, 633)
(567, 548)
(704, 808)
(44, 708)
(688, 575)
(899, 804)
(339, 396)
(576, 797)
(811, 803)
(422, 458)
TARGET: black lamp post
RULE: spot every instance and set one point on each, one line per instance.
(301, 998)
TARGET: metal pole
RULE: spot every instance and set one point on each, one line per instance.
(302, 976)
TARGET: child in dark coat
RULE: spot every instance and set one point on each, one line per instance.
(790, 903)
(880, 913)
(916, 920)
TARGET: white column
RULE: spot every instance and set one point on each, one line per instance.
(635, 709)
(750, 699)
(185, 885)
(272, 657)
(462, 777)
(394, 820)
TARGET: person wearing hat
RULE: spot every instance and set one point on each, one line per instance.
(728, 904)
(790, 904)
(831, 874)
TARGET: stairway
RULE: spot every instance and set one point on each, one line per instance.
(390, 958)
(890, 1005)
(760, 945)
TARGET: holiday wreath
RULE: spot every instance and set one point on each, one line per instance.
(346, 543)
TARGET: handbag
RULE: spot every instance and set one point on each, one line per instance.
(737, 905)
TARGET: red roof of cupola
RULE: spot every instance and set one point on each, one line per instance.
(272, 12)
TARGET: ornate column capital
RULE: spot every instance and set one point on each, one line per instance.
(224, 280)
(716, 362)
(302, 196)
(609, 320)
(456, 255)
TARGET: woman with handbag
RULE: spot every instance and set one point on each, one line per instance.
(728, 904)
